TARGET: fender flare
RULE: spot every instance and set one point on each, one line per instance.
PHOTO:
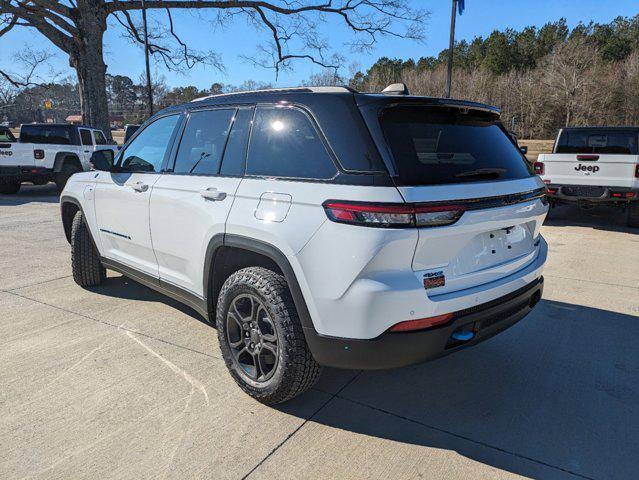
(66, 199)
(62, 157)
(265, 249)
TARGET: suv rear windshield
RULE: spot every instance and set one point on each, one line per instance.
(598, 141)
(434, 146)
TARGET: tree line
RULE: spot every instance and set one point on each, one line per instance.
(544, 78)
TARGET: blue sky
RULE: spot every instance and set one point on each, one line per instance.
(237, 39)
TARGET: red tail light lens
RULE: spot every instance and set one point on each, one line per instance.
(387, 215)
(421, 323)
(539, 168)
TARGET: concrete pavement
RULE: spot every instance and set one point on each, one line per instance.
(121, 382)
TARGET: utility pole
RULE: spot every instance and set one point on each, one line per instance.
(451, 46)
(149, 90)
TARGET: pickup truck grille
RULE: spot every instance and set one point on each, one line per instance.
(589, 191)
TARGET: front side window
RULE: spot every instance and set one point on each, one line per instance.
(435, 146)
(203, 142)
(85, 136)
(100, 139)
(284, 143)
(146, 153)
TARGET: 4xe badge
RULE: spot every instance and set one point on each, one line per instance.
(434, 279)
(587, 168)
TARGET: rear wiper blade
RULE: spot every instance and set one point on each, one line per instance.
(482, 172)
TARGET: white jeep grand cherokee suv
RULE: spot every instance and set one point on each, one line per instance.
(319, 226)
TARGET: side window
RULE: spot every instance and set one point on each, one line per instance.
(146, 152)
(284, 143)
(203, 140)
(85, 136)
(100, 139)
(235, 152)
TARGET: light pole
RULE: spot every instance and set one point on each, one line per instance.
(149, 90)
(451, 46)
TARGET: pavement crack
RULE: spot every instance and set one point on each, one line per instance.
(463, 437)
(299, 427)
(10, 290)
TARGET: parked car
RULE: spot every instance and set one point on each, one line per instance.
(6, 135)
(319, 226)
(594, 166)
(48, 152)
(129, 130)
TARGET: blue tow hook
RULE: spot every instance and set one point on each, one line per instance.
(462, 336)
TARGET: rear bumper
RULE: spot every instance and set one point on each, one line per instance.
(24, 174)
(561, 193)
(391, 350)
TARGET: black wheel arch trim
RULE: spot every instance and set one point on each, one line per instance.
(262, 248)
(61, 157)
(65, 199)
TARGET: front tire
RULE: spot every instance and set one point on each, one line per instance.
(10, 186)
(261, 337)
(62, 177)
(633, 215)
(85, 260)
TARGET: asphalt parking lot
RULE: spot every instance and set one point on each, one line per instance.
(121, 382)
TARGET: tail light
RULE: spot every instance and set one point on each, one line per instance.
(421, 323)
(539, 168)
(392, 215)
(622, 194)
(637, 171)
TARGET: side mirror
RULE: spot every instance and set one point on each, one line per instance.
(102, 160)
(523, 149)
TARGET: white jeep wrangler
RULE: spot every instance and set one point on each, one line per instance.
(319, 226)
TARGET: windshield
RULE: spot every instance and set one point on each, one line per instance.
(598, 141)
(434, 146)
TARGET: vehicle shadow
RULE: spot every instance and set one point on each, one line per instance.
(556, 396)
(32, 194)
(600, 218)
(123, 287)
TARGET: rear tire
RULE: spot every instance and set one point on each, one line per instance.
(85, 260)
(10, 186)
(633, 215)
(261, 337)
(62, 177)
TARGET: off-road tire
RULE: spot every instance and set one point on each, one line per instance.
(633, 215)
(296, 369)
(85, 261)
(10, 187)
(62, 177)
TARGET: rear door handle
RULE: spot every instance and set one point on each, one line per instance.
(140, 187)
(212, 194)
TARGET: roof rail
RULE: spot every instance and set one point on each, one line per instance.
(320, 89)
(396, 89)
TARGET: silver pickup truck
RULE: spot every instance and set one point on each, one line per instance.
(47, 152)
(594, 165)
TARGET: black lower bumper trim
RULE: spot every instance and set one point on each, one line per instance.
(576, 194)
(391, 350)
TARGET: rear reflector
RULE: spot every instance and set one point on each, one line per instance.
(552, 191)
(421, 323)
(539, 168)
(388, 215)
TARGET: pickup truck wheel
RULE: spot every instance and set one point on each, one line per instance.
(85, 260)
(62, 177)
(633, 215)
(261, 337)
(10, 186)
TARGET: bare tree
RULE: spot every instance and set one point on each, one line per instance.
(77, 28)
(566, 69)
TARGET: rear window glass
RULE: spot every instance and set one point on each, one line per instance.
(597, 141)
(440, 146)
(53, 134)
